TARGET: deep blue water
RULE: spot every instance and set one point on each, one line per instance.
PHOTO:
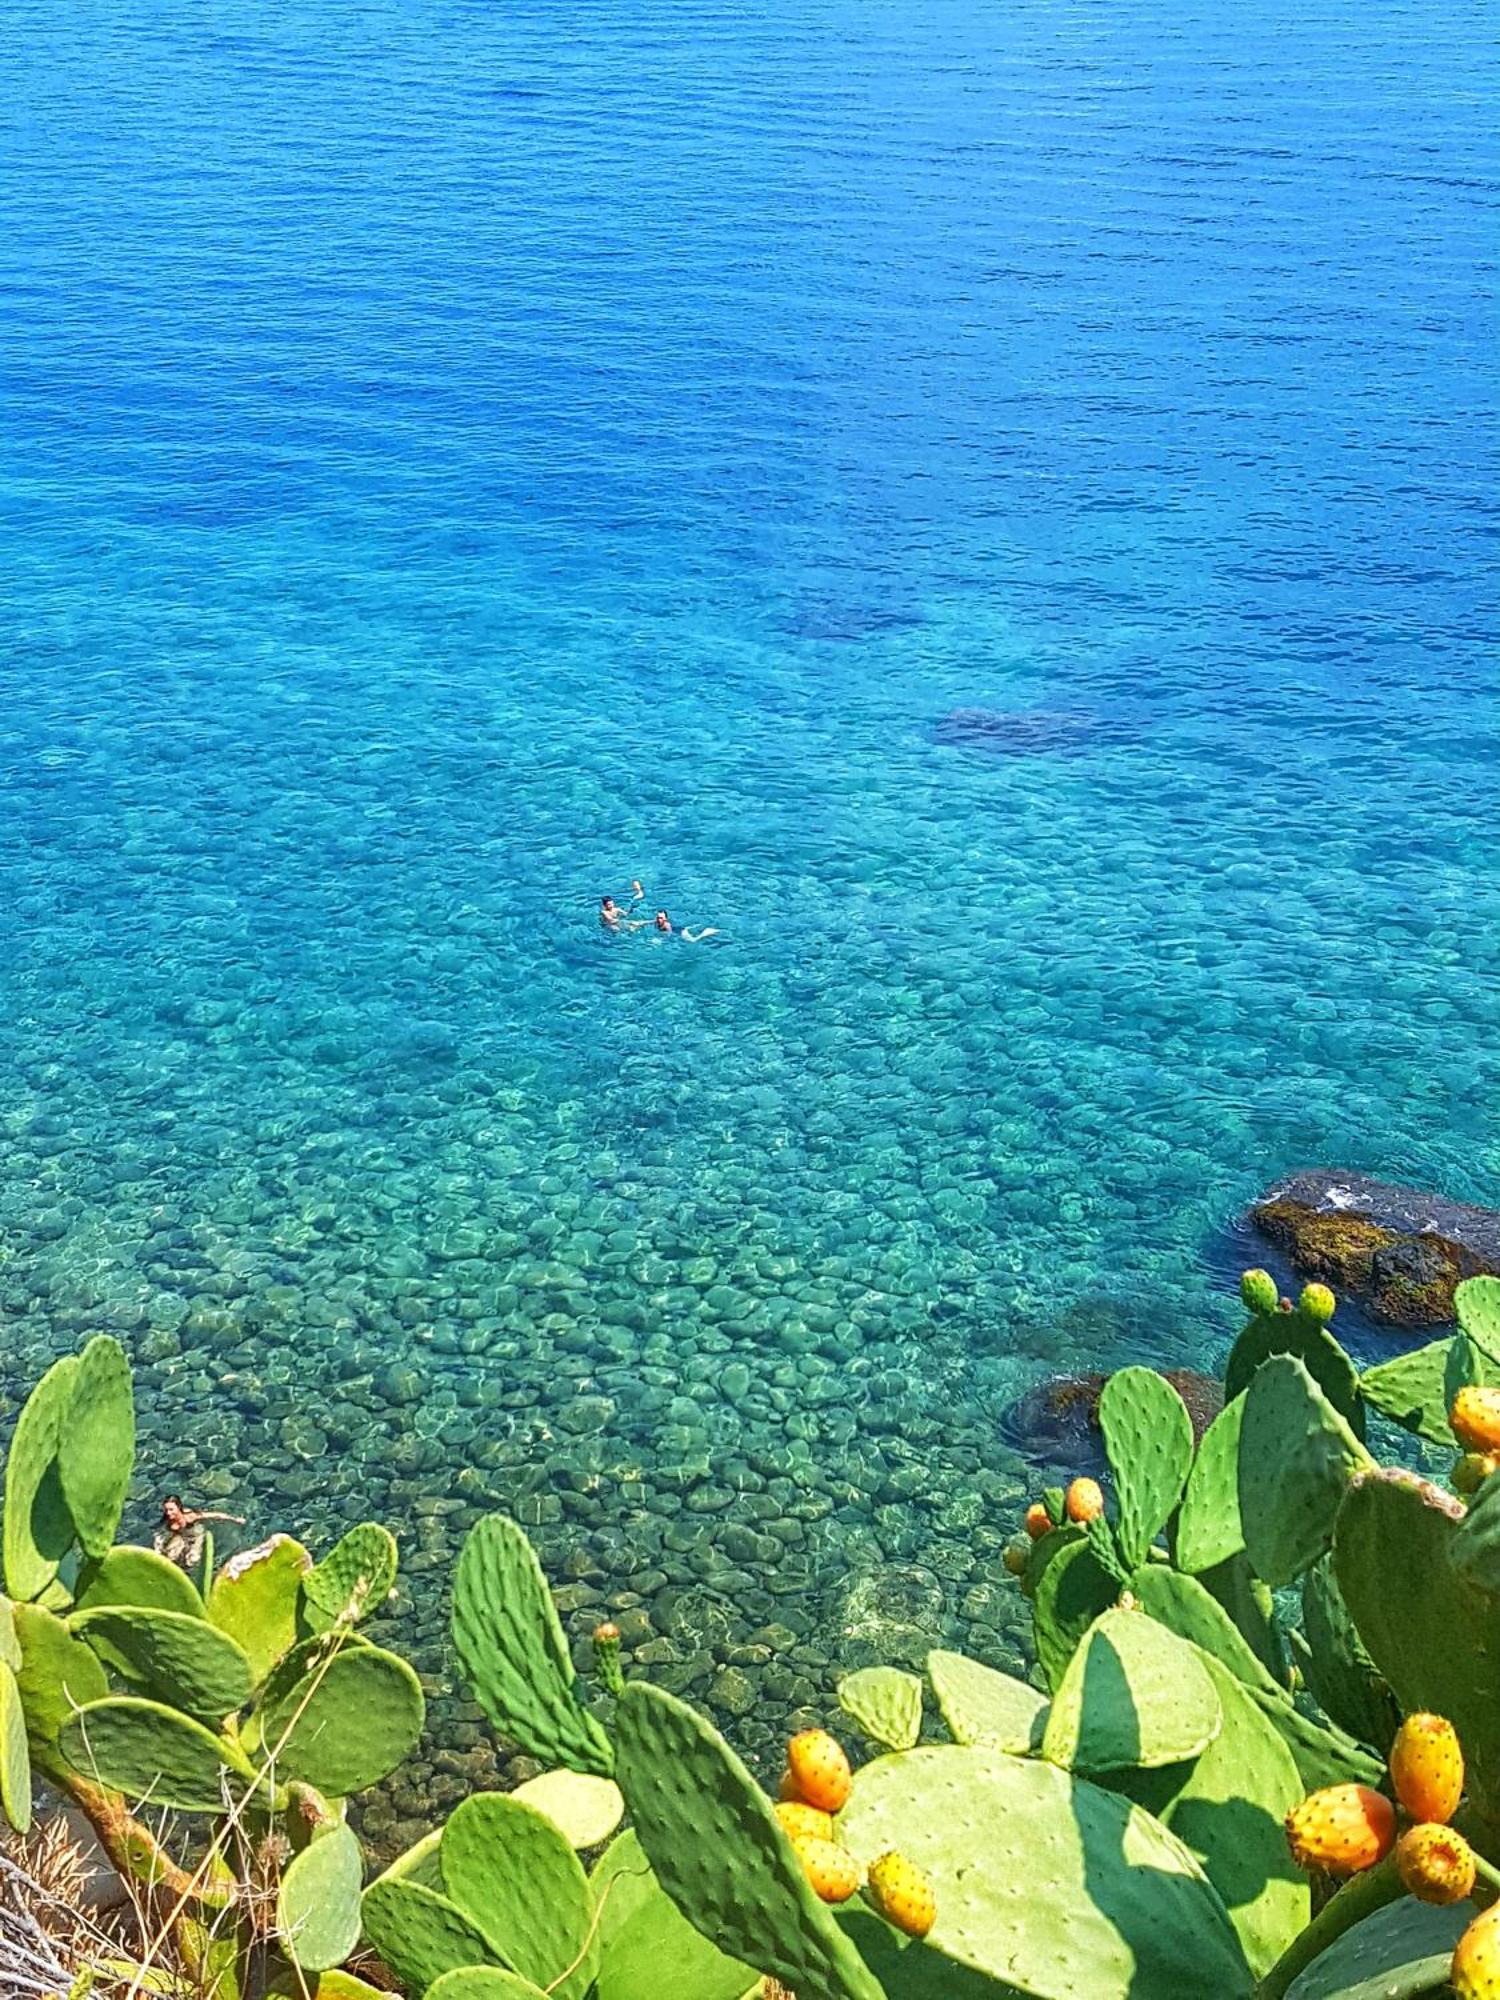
(455, 459)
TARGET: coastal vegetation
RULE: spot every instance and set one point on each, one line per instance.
(1259, 1753)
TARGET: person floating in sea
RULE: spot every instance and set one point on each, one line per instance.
(668, 929)
(181, 1535)
(613, 918)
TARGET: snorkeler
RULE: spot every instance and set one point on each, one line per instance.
(613, 918)
(665, 925)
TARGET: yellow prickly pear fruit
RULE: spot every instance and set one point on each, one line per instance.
(1474, 1418)
(804, 1822)
(1015, 1558)
(1318, 1303)
(1038, 1520)
(832, 1870)
(820, 1770)
(1436, 1865)
(1258, 1290)
(1475, 1971)
(902, 1894)
(1085, 1501)
(1343, 1829)
(1472, 1470)
(1427, 1769)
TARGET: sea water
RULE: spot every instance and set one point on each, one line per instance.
(989, 507)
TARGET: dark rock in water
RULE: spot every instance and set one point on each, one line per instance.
(1396, 1249)
(1061, 1416)
(1028, 732)
(837, 621)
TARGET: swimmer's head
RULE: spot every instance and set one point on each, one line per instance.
(663, 921)
(606, 905)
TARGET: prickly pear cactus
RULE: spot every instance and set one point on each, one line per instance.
(1297, 1459)
(1149, 1438)
(981, 1705)
(1133, 1697)
(585, 1810)
(646, 1946)
(1072, 1589)
(96, 1443)
(152, 1753)
(1476, 1302)
(718, 1851)
(1305, 1335)
(255, 1598)
(138, 1577)
(1340, 1674)
(318, 1909)
(1208, 1526)
(1401, 1953)
(1411, 1390)
(57, 1676)
(353, 1580)
(38, 1529)
(484, 1982)
(15, 1753)
(516, 1879)
(176, 1656)
(511, 1646)
(419, 1933)
(347, 1723)
(885, 1703)
(1081, 1892)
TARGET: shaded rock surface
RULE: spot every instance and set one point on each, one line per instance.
(1398, 1250)
(1061, 1416)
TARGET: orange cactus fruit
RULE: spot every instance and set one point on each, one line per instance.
(1085, 1501)
(1038, 1521)
(902, 1894)
(1427, 1769)
(1342, 1829)
(1474, 1418)
(1436, 1865)
(789, 1792)
(820, 1770)
(1475, 1971)
(804, 1822)
(832, 1870)
(1472, 1470)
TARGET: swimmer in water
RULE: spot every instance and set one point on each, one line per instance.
(668, 929)
(613, 918)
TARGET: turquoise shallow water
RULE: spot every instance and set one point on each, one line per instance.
(454, 461)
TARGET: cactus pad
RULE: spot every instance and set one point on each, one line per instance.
(1340, 1674)
(646, 1945)
(885, 1704)
(38, 1529)
(176, 1656)
(96, 1443)
(719, 1853)
(15, 1756)
(1183, 1605)
(136, 1576)
(347, 1723)
(1297, 1458)
(58, 1674)
(1401, 1953)
(1227, 1807)
(509, 1640)
(982, 1705)
(1134, 1697)
(484, 1982)
(1476, 1302)
(1080, 1892)
(1298, 1334)
(1148, 1435)
(1412, 1390)
(10, 1645)
(1071, 1592)
(516, 1879)
(1208, 1526)
(353, 1580)
(584, 1809)
(318, 1909)
(419, 1934)
(254, 1599)
(151, 1754)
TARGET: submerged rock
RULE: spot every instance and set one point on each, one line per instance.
(1061, 1416)
(1398, 1250)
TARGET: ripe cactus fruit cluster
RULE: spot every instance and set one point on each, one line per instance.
(832, 1870)
(800, 1821)
(902, 1893)
(1474, 1418)
(1436, 1865)
(1427, 1768)
(1342, 1829)
(819, 1770)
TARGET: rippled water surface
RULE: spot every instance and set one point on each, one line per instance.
(991, 508)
